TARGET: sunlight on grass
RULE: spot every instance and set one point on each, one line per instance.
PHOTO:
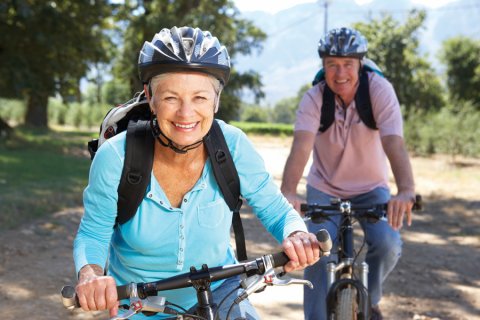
(41, 172)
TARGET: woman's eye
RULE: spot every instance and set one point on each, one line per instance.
(200, 98)
(170, 99)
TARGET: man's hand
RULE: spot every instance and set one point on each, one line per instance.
(400, 206)
(294, 200)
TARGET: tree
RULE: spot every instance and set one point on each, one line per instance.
(115, 92)
(46, 48)
(255, 113)
(220, 17)
(285, 109)
(393, 46)
(461, 56)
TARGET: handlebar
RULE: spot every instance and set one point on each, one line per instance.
(345, 207)
(260, 272)
(257, 266)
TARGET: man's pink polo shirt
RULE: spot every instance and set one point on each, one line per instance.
(348, 159)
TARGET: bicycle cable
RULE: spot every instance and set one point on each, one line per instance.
(217, 312)
(357, 253)
(176, 306)
(230, 309)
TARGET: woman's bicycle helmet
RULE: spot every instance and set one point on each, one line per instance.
(343, 42)
(183, 49)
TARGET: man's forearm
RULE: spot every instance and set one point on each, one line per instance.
(400, 163)
(291, 175)
(296, 161)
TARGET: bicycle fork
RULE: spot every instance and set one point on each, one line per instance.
(340, 276)
(333, 269)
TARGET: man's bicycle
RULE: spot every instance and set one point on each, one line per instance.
(347, 296)
(259, 273)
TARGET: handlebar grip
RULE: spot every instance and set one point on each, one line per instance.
(279, 259)
(304, 207)
(418, 205)
(69, 298)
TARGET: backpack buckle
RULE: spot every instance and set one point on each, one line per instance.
(134, 178)
(220, 156)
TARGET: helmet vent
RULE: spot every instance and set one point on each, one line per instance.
(188, 46)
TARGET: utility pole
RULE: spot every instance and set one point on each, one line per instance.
(325, 18)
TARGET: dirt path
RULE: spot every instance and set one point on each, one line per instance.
(437, 278)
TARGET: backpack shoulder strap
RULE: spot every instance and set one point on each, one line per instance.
(227, 178)
(327, 109)
(137, 169)
(363, 102)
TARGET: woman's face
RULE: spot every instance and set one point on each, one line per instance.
(184, 104)
(341, 75)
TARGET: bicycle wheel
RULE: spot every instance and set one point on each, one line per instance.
(347, 306)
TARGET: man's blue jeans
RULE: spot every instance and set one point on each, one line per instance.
(384, 250)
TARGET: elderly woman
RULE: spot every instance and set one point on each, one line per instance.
(183, 220)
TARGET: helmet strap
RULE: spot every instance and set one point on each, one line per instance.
(160, 136)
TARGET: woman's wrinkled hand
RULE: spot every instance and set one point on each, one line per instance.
(302, 249)
(97, 292)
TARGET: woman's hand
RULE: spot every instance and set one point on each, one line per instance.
(302, 249)
(96, 291)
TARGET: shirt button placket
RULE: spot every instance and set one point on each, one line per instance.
(181, 243)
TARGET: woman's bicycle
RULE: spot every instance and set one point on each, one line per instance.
(347, 296)
(259, 273)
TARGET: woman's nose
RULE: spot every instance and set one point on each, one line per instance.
(186, 108)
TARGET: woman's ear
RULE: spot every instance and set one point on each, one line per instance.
(149, 98)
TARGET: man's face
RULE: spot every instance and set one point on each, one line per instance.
(341, 75)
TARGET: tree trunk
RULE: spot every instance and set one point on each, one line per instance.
(36, 115)
(5, 130)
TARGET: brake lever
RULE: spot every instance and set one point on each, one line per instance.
(126, 315)
(286, 281)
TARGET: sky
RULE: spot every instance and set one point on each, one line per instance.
(273, 6)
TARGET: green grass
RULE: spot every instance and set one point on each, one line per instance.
(41, 172)
(44, 171)
(274, 129)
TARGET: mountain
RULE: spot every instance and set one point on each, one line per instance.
(289, 57)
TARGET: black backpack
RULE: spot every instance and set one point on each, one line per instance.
(134, 116)
(362, 99)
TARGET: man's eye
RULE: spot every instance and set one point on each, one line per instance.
(200, 98)
(170, 99)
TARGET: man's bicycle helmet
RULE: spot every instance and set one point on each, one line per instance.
(183, 49)
(343, 42)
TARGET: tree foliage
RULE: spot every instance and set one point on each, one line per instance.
(285, 109)
(394, 47)
(462, 59)
(46, 48)
(220, 17)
